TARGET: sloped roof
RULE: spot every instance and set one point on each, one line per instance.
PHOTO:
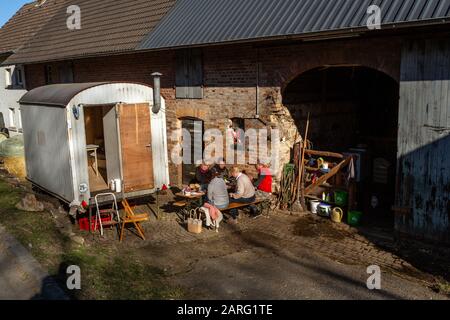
(56, 95)
(25, 23)
(107, 27)
(202, 22)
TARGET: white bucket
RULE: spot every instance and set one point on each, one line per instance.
(315, 206)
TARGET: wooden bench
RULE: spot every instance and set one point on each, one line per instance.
(258, 202)
(235, 205)
(180, 204)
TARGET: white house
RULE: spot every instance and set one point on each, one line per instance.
(12, 88)
(13, 36)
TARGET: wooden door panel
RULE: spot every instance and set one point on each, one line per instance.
(135, 136)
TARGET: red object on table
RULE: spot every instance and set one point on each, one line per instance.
(84, 223)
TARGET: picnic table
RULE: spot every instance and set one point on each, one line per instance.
(193, 199)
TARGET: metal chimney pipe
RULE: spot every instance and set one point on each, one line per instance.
(156, 92)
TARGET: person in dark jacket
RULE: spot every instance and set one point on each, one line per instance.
(203, 176)
(221, 169)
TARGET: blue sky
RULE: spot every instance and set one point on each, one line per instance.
(9, 7)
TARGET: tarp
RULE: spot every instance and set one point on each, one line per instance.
(12, 147)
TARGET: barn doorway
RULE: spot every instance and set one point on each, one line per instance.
(194, 149)
(354, 110)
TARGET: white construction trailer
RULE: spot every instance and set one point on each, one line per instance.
(90, 138)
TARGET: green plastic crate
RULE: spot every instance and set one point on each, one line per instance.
(354, 218)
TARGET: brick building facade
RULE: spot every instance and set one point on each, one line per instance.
(238, 80)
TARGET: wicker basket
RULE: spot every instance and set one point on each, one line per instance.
(195, 222)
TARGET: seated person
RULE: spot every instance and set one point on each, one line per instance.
(245, 192)
(264, 182)
(217, 192)
(221, 168)
(203, 176)
(217, 198)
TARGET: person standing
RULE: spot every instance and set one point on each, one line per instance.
(245, 192)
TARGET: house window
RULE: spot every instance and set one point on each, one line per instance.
(48, 74)
(238, 123)
(2, 121)
(237, 131)
(12, 117)
(14, 77)
(8, 77)
(189, 74)
(65, 73)
(19, 120)
(18, 77)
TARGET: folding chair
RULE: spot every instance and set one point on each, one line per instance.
(135, 219)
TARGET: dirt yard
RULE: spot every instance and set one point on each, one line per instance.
(281, 256)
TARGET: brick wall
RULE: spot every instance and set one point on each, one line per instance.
(230, 78)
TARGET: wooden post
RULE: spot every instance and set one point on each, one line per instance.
(157, 204)
(300, 184)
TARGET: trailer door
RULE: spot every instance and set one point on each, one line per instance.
(136, 139)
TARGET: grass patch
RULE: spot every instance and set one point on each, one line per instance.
(35, 230)
(107, 272)
(119, 277)
(9, 197)
(441, 286)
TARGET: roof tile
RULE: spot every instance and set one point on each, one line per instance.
(107, 26)
(26, 23)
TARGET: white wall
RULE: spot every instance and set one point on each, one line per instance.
(8, 100)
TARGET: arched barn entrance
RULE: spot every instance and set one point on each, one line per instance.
(353, 110)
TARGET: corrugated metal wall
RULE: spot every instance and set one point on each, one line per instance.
(424, 139)
(47, 149)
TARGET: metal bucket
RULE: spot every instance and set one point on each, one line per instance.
(325, 210)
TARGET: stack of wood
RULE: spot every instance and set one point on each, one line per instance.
(295, 186)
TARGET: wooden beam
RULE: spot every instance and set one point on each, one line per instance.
(324, 154)
(327, 176)
(402, 211)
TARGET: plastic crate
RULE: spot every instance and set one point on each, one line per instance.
(354, 218)
(84, 223)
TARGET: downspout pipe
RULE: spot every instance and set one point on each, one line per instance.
(257, 83)
(156, 92)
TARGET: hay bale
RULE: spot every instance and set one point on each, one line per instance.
(3, 137)
(12, 154)
(15, 166)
